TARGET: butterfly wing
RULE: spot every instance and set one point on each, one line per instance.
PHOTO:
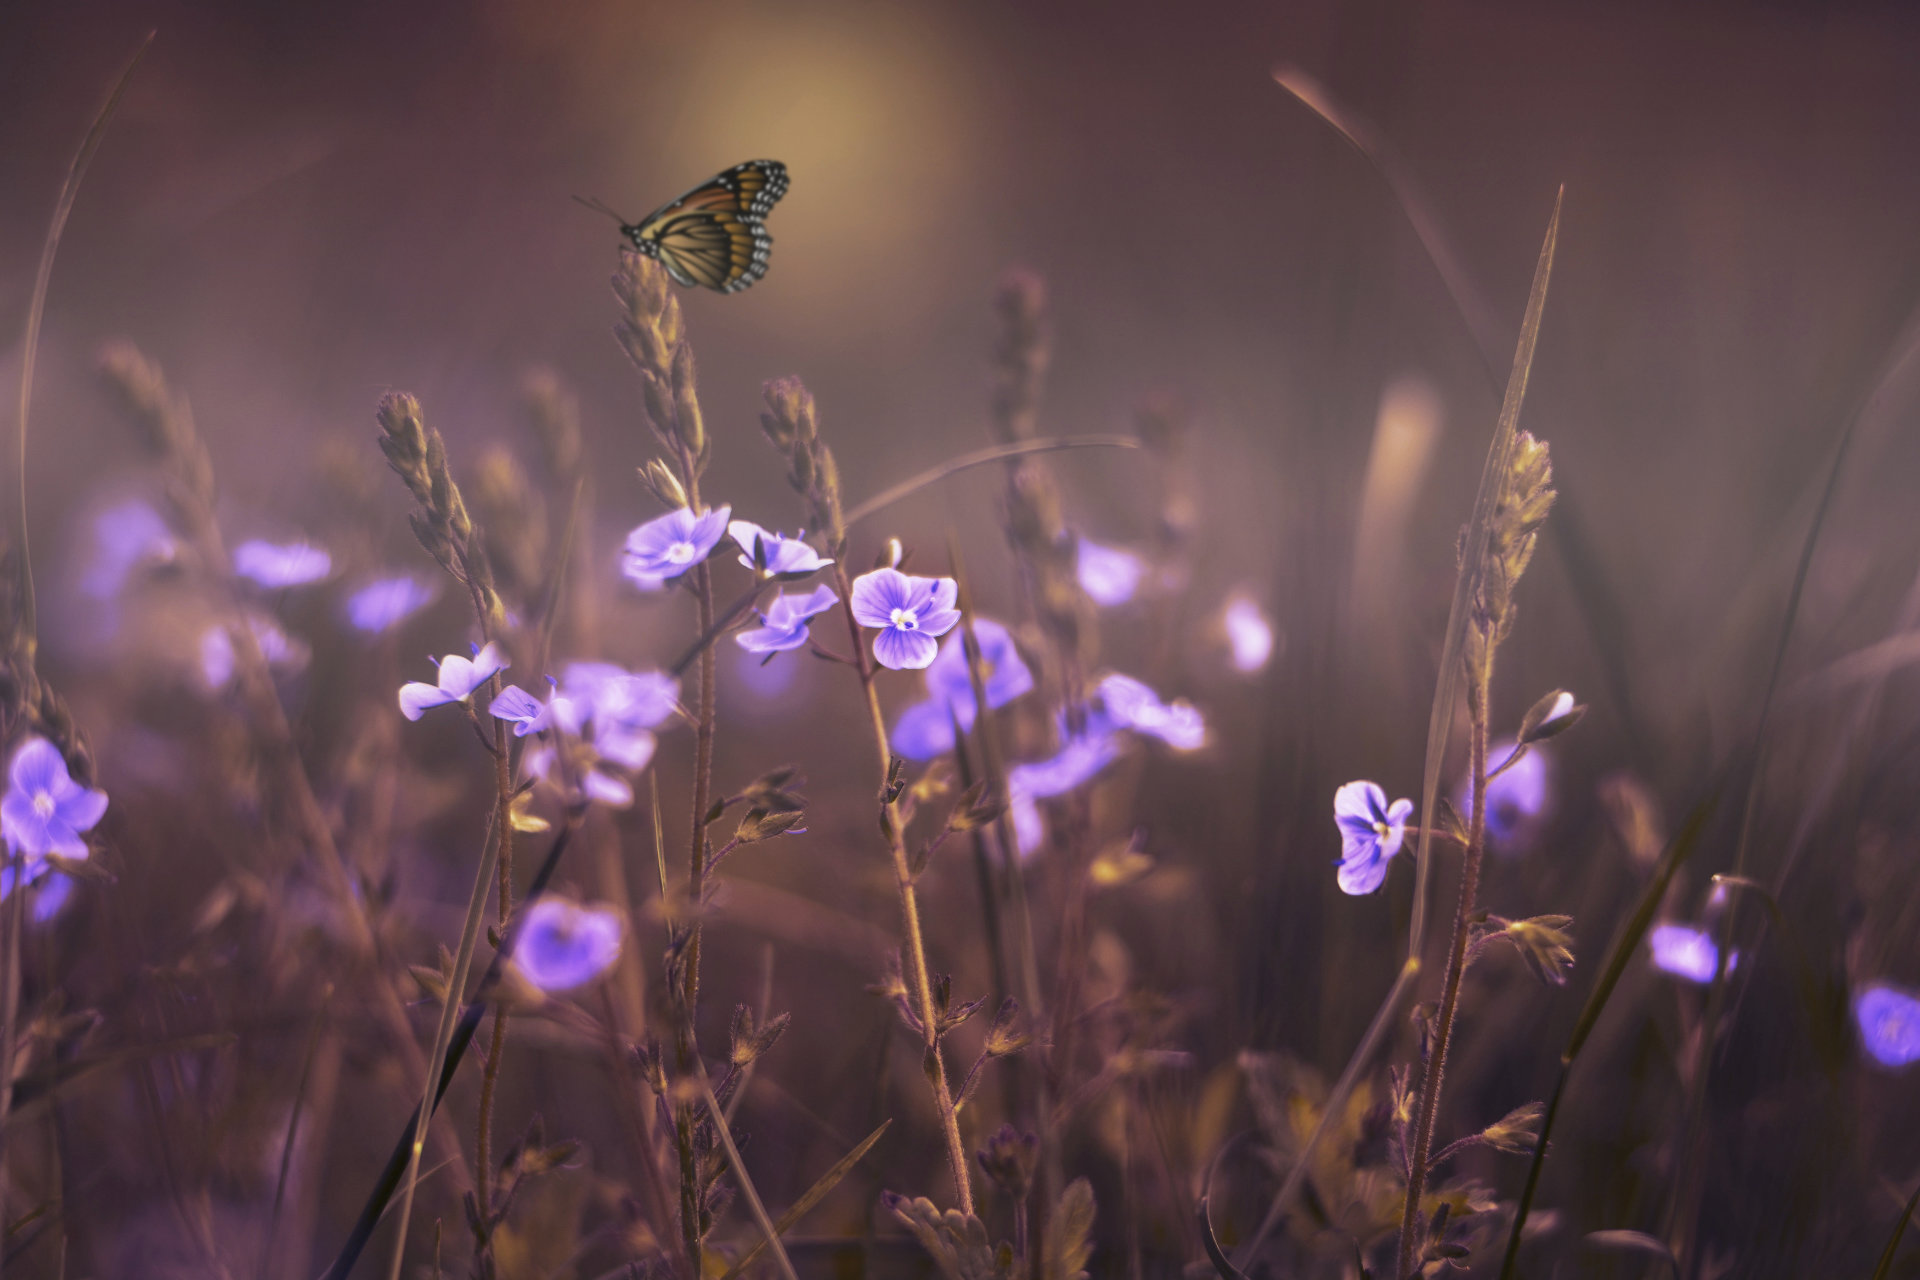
(715, 235)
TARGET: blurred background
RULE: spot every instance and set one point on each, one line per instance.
(296, 210)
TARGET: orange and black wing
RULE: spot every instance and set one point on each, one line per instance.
(716, 235)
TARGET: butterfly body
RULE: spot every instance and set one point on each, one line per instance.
(716, 234)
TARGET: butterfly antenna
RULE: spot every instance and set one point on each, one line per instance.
(599, 207)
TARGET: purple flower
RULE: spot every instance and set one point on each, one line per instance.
(1684, 951)
(605, 713)
(1371, 832)
(1132, 705)
(459, 677)
(1889, 1021)
(614, 695)
(387, 602)
(783, 624)
(276, 646)
(1109, 575)
(908, 612)
(1249, 634)
(126, 537)
(281, 564)
(45, 810)
(1080, 759)
(50, 890)
(1515, 798)
(670, 545)
(561, 946)
(925, 730)
(773, 554)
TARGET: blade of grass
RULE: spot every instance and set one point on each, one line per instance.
(1492, 476)
(1625, 944)
(1599, 603)
(814, 1194)
(381, 1195)
(980, 458)
(1885, 1266)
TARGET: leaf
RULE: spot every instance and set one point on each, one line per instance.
(1069, 1242)
(813, 1195)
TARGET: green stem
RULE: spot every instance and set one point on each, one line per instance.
(1477, 692)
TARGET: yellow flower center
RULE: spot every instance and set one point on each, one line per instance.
(43, 804)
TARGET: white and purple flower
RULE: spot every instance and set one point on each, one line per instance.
(44, 810)
(599, 712)
(783, 623)
(459, 677)
(1371, 832)
(281, 564)
(1109, 575)
(387, 602)
(669, 545)
(561, 946)
(775, 555)
(910, 614)
(1684, 951)
(1130, 704)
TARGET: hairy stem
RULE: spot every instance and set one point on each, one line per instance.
(1477, 692)
(913, 946)
(503, 819)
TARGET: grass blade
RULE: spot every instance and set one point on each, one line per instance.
(814, 1194)
(1625, 944)
(980, 458)
(1446, 691)
(1885, 1265)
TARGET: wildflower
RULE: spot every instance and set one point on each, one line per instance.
(387, 602)
(561, 946)
(1109, 575)
(50, 889)
(276, 646)
(1889, 1022)
(773, 554)
(783, 624)
(126, 537)
(459, 677)
(1077, 762)
(1516, 796)
(607, 709)
(1371, 832)
(615, 695)
(1685, 952)
(669, 545)
(45, 810)
(281, 564)
(925, 730)
(1132, 705)
(909, 613)
(1249, 634)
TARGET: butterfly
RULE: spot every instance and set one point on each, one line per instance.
(716, 234)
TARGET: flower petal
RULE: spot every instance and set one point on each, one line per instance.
(904, 650)
(1362, 875)
(938, 622)
(608, 790)
(37, 766)
(876, 595)
(925, 730)
(416, 697)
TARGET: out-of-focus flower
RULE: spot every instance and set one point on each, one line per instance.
(459, 677)
(50, 890)
(126, 537)
(281, 564)
(1685, 952)
(1371, 832)
(761, 682)
(561, 946)
(774, 554)
(276, 646)
(1249, 634)
(909, 613)
(1889, 1021)
(387, 602)
(1109, 575)
(1080, 759)
(45, 810)
(1132, 705)
(1516, 797)
(925, 730)
(783, 623)
(669, 545)
(605, 712)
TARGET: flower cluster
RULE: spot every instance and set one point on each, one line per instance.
(596, 713)
(925, 729)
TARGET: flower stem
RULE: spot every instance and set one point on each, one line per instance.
(1479, 680)
(913, 949)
